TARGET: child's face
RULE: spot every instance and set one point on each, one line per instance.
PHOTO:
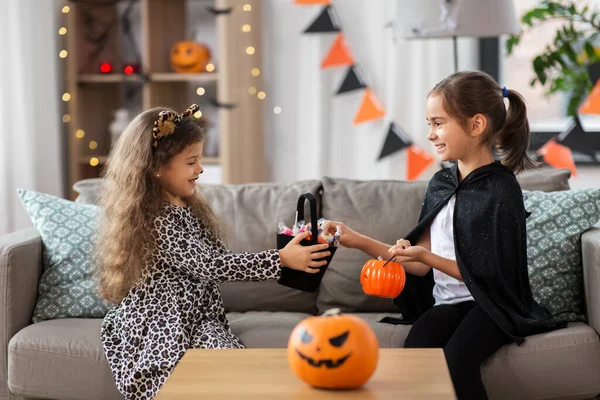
(447, 135)
(178, 177)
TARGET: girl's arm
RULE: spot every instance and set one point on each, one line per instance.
(416, 259)
(201, 260)
(375, 249)
(354, 240)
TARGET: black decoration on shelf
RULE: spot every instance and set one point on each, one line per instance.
(396, 140)
(327, 21)
(219, 11)
(352, 81)
(217, 104)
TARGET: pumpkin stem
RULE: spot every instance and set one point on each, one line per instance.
(331, 312)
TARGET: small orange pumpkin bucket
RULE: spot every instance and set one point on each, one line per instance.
(383, 278)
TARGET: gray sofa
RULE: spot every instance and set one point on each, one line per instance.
(63, 359)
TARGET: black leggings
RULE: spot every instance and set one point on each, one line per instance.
(467, 335)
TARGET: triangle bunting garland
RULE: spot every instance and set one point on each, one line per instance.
(339, 54)
(325, 22)
(370, 109)
(352, 81)
(312, 2)
(418, 160)
(395, 140)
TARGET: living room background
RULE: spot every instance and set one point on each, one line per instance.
(311, 136)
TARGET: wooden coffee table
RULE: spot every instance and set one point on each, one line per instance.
(265, 374)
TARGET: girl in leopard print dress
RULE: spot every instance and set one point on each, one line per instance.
(160, 257)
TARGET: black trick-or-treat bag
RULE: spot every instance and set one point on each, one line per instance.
(299, 279)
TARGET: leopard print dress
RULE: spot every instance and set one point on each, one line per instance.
(176, 305)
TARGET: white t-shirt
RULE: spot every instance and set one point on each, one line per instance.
(447, 290)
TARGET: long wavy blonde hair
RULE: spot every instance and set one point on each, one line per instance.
(131, 198)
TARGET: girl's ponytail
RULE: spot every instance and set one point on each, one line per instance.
(513, 137)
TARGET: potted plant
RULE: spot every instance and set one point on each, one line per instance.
(561, 67)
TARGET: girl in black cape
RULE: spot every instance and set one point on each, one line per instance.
(467, 287)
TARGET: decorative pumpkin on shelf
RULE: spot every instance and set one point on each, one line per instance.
(333, 351)
(189, 56)
(382, 278)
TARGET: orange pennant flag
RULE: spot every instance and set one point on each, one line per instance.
(339, 54)
(369, 109)
(558, 156)
(313, 2)
(592, 104)
(418, 160)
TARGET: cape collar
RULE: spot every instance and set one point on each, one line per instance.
(478, 173)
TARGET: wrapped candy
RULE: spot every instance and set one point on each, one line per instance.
(282, 229)
(301, 226)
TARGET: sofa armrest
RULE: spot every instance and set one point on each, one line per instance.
(590, 251)
(20, 271)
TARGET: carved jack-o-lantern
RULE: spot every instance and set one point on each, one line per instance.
(333, 351)
(187, 56)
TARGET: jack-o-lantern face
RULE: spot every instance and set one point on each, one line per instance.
(337, 341)
(189, 56)
(333, 351)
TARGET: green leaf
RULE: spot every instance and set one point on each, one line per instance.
(557, 57)
(574, 102)
(511, 42)
(590, 51)
(558, 39)
(539, 13)
(568, 49)
(538, 67)
(573, 10)
(594, 36)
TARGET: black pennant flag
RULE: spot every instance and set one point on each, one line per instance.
(325, 22)
(594, 72)
(396, 140)
(579, 140)
(352, 81)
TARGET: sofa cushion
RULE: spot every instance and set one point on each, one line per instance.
(60, 359)
(67, 288)
(554, 231)
(564, 363)
(545, 179)
(264, 329)
(388, 335)
(250, 214)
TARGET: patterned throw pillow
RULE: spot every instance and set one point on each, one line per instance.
(66, 288)
(554, 231)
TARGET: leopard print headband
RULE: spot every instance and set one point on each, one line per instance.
(166, 121)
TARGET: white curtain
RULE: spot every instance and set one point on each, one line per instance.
(314, 135)
(30, 150)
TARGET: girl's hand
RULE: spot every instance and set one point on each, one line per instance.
(407, 253)
(303, 258)
(348, 237)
